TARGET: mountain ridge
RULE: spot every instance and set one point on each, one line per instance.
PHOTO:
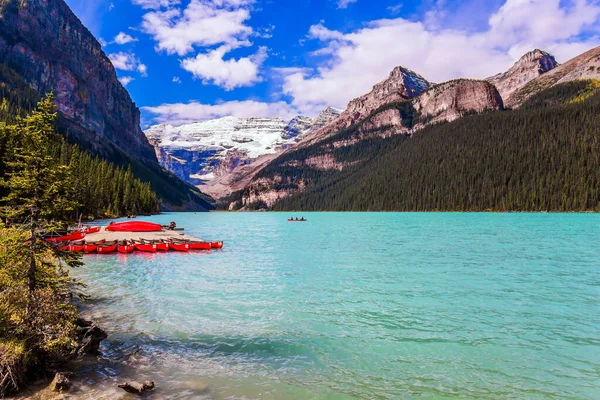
(203, 151)
(405, 117)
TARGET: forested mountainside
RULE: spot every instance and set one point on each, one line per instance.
(45, 48)
(100, 189)
(17, 99)
(543, 156)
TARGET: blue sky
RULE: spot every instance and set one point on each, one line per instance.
(186, 60)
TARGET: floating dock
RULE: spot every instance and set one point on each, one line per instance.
(165, 234)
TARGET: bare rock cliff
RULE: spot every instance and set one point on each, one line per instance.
(401, 84)
(450, 100)
(527, 68)
(48, 46)
(442, 103)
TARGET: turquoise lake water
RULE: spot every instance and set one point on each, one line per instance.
(358, 306)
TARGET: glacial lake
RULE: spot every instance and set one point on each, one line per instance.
(355, 306)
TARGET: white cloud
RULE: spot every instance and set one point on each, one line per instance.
(123, 38)
(123, 61)
(126, 80)
(155, 4)
(181, 113)
(143, 70)
(128, 62)
(111, 6)
(176, 79)
(199, 24)
(358, 59)
(229, 74)
(345, 3)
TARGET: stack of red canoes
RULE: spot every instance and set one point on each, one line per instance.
(134, 226)
(75, 241)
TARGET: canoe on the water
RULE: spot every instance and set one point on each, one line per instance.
(179, 246)
(146, 247)
(90, 248)
(162, 246)
(134, 226)
(75, 248)
(126, 249)
(199, 246)
(216, 245)
(107, 249)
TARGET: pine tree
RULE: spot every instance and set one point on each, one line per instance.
(39, 189)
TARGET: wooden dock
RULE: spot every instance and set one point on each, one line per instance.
(162, 235)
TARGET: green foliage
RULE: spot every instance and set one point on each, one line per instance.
(37, 321)
(543, 156)
(99, 188)
(104, 190)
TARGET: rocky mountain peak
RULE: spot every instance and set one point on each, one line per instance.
(527, 68)
(211, 149)
(404, 80)
(401, 84)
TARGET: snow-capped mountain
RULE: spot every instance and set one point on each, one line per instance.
(202, 150)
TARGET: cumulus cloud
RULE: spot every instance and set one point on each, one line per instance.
(123, 61)
(123, 38)
(143, 70)
(211, 67)
(181, 113)
(126, 80)
(176, 79)
(128, 62)
(199, 24)
(356, 60)
(155, 4)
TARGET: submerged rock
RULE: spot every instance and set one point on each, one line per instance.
(90, 335)
(137, 388)
(61, 382)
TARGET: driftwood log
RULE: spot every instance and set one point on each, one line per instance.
(137, 388)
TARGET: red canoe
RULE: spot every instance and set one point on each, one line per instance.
(146, 247)
(200, 246)
(90, 248)
(134, 226)
(179, 246)
(125, 249)
(66, 238)
(76, 248)
(162, 246)
(216, 245)
(93, 229)
(107, 249)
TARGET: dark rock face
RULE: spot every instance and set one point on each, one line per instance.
(50, 48)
